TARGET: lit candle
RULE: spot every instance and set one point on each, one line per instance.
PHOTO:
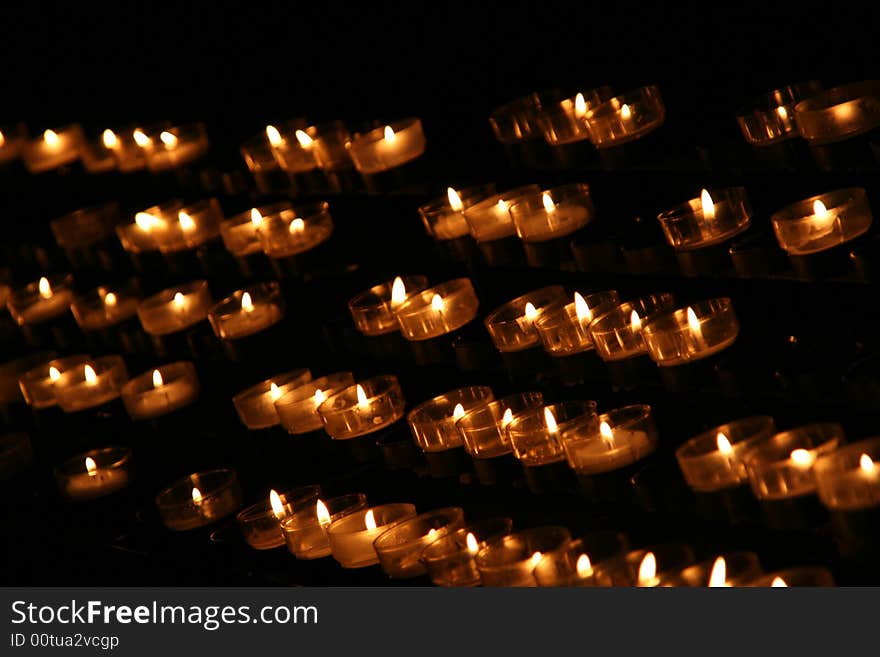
(512, 325)
(484, 427)
(564, 122)
(292, 232)
(626, 117)
(95, 474)
(707, 220)
(352, 536)
(53, 149)
(537, 435)
(248, 311)
(438, 310)
(374, 311)
(510, 560)
(364, 408)
(489, 219)
(822, 222)
(840, 113)
(260, 523)
(848, 479)
(199, 499)
(175, 309)
(38, 384)
(400, 548)
(91, 385)
(239, 232)
(553, 213)
(256, 405)
(293, 149)
(175, 147)
(305, 530)
(565, 329)
(626, 435)
(433, 423)
(449, 559)
(444, 217)
(693, 333)
(387, 147)
(298, 408)
(191, 227)
(732, 569)
(161, 391)
(44, 300)
(102, 307)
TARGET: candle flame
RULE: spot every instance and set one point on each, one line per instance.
(582, 309)
(196, 496)
(363, 401)
(91, 466)
(606, 433)
(693, 321)
(550, 421)
(507, 418)
(273, 135)
(51, 138)
(866, 463)
(370, 520)
(323, 514)
(44, 288)
(635, 322)
(297, 226)
(247, 304)
(109, 139)
(782, 112)
(54, 374)
(821, 214)
(547, 200)
(723, 443)
(531, 313)
(437, 303)
(458, 412)
(707, 206)
(179, 300)
(140, 138)
(535, 558)
(157, 379)
(625, 112)
(146, 221)
(454, 199)
(778, 582)
(718, 576)
(110, 299)
(320, 397)
(432, 533)
(2, 139)
(584, 566)
(186, 222)
(471, 541)
(802, 457)
(169, 139)
(398, 291)
(276, 503)
(389, 134)
(89, 374)
(274, 391)
(502, 205)
(580, 106)
(648, 570)
(304, 139)
(256, 217)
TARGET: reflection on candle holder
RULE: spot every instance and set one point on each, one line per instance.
(247, 311)
(305, 530)
(812, 576)
(16, 454)
(292, 146)
(13, 139)
(715, 217)
(730, 569)
(714, 460)
(564, 329)
(175, 309)
(433, 423)
(449, 559)
(512, 326)
(291, 232)
(298, 409)
(260, 523)
(400, 547)
(161, 391)
(693, 333)
(489, 219)
(38, 384)
(839, 113)
(86, 226)
(537, 435)
(822, 222)
(175, 147)
(644, 567)
(42, 300)
(352, 536)
(53, 148)
(438, 310)
(552, 213)
(147, 230)
(444, 217)
(510, 560)
(518, 120)
(194, 225)
(770, 118)
(625, 435)
(387, 147)
(483, 428)
(95, 473)
(626, 117)
(574, 562)
(239, 232)
(617, 334)
(256, 405)
(199, 499)
(93, 384)
(848, 479)
(364, 408)
(564, 121)
(374, 310)
(105, 306)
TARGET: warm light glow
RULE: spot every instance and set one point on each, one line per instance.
(179, 300)
(458, 412)
(273, 135)
(146, 221)
(820, 214)
(437, 303)
(723, 443)
(550, 421)
(581, 309)
(625, 112)
(580, 106)
(635, 322)
(303, 138)
(454, 199)
(363, 401)
(778, 582)
(507, 418)
(431, 533)
(547, 200)
(323, 514)
(91, 466)
(51, 138)
(471, 541)
(693, 322)
(534, 559)
(109, 138)
(370, 520)
(247, 304)
(274, 391)
(803, 457)
(196, 496)
(140, 138)
(186, 222)
(503, 205)
(169, 139)
(320, 397)
(54, 374)
(89, 375)
(110, 299)
(718, 576)
(584, 566)
(297, 226)
(276, 504)
(256, 217)
(606, 433)
(398, 291)
(782, 112)
(531, 312)
(44, 288)
(389, 134)
(866, 463)
(2, 139)
(707, 206)
(648, 570)
(157, 379)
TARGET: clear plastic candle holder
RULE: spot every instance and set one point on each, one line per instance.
(175, 147)
(194, 225)
(147, 230)
(239, 232)
(617, 334)
(840, 113)
(572, 564)
(11, 371)
(352, 536)
(305, 530)
(247, 311)
(175, 309)
(16, 454)
(438, 310)
(160, 391)
(13, 139)
(564, 122)
(38, 384)
(96, 382)
(644, 567)
(510, 560)
(257, 154)
(811, 576)
(489, 219)
(199, 499)
(44, 300)
(848, 479)
(433, 423)
(626, 117)
(291, 232)
(96, 473)
(106, 306)
(444, 217)
(770, 118)
(483, 428)
(54, 148)
(260, 523)
(400, 547)
(363, 408)
(822, 222)
(86, 226)
(715, 217)
(692, 333)
(625, 435)
(553, 213)
(519, 120)
(255, 405)
(726, 570)
(329, 144)
(387, 147)
(715, 459)
(449, 559)
(538, 435)
(564, 328)
(512, 326)
(292, 146)
(128, 153)
(298, 408)
(374, 311)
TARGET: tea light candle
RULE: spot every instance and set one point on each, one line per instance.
(86, 226)
(714, 460)
(822, 222)
(518, 120)
(175, 309)
(305, 530)
(161, 391)
(387, 147)
(128, 155)
(400, 547)
(839, 113)
(105, 306)
(53, 149)
(770, 118)
(812, 576)
(626, 117)
(11, 372)
(644, 567)
(848, 479)
(625, 435)
(291, 232)
(149, 227)
(298, 409)
(199, 499)
(239, 232)
(537, 435)
(363, 408)
(329, 144)
(731, 569)
(256, 405)
(16, 454)
(438, 310)
(715, 217)
(12, 140)
(96, 156)
(553, 213)
(444, 217)
(510, 560)
(41, 301)
(260, 523)
(374, 310)
(351, 537)
(564, 329)
(489, 219)
(565, 122)
(449, 559)
(617, 333)
(175, 147)
(574, 562)
(433, 423)
(193, 226)
(38, 384)
(512, 326)
(97, 382)
(292, 146)
(94, 474)
(692, 333)
(247, 311)
(483, 427)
